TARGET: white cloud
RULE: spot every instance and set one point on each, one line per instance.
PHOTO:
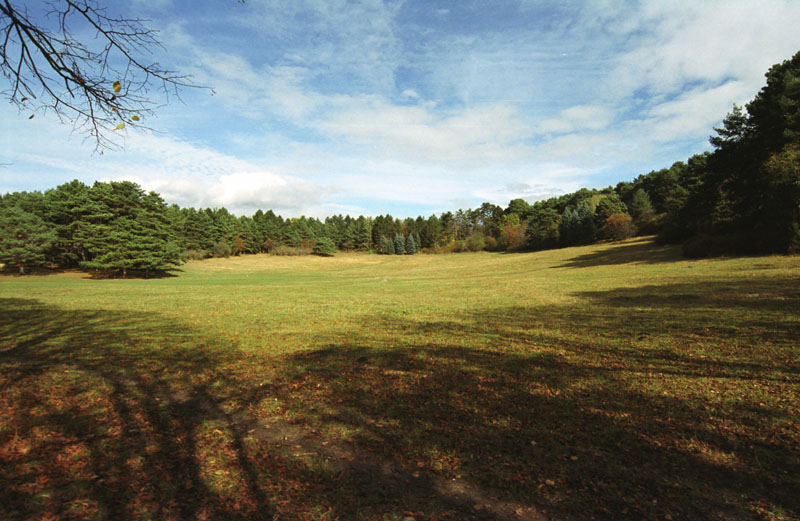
(693, 113)
(710, 42)
(240, 192)
(475, 136)
(582, 117)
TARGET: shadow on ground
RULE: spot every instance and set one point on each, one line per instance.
(638, 251)
(641, 403)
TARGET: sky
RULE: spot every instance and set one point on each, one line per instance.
(417, 107)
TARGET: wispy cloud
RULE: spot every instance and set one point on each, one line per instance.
(368, 105)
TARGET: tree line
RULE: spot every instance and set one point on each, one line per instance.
(744, 197)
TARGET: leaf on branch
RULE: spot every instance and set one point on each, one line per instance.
(31, 116)
(120, 126)
(135, 118)
(117, 86)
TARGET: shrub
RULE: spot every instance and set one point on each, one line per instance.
(475, 242)
(195, 254)
(619, 226)
(282, 249)
(222, 249)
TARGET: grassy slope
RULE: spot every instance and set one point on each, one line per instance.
(608, 381)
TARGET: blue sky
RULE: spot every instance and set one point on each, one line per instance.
(416, 107)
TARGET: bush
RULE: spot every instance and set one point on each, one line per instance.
(619, 226)
(195, 254)
(475, 242)
(282, 249)
(222, 249)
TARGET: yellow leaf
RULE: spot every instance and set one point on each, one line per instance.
(135, 118)
(117, 86)
(120, 126)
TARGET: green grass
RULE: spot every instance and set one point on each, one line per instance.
(614, 381)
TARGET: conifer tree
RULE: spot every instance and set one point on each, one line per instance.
(399, 244)
(411, 245)
(24, 238)
(130, 230)
(641, 209)
(386, 246)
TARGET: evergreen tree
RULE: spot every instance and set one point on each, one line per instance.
(640, 207)
(399, 244)
(386, 246)
(607, 206)
(24, 238)
(363, 237)
(64, 209)
(130, 230)
(411, 245)
(325, 247)
(543, 228)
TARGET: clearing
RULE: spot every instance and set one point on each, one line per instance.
(609, 381)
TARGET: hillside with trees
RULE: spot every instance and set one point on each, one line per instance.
(744, 197)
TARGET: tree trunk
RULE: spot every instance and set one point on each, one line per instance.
(124, 272)
(21, 269)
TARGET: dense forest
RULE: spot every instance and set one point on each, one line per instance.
(744, 197)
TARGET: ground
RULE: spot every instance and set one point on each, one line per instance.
(614, 381)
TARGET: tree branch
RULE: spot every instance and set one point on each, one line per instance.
(99, 90)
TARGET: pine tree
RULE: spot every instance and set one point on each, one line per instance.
(399, 244)
(641, 209)
(411, 245)
(24, 238)
(131, 230)
(386, 246)
(325, 247)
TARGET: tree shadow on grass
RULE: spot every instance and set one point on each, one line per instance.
(578, 412)
(107, 415)
(637, 403)
(636, 251)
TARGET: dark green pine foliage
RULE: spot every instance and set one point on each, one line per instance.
(543, 228)
(386, 246)
(640, 207)
(411, 245)
(131, 230)
(606, 207)
(363, 236)
(25, 238)
(746, 199)
(399, 244)
(64, 210)
(577, 226)
(325, 247)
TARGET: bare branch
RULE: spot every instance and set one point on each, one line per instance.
(96, 86)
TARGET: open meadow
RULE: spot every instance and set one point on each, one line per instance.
(615, 381)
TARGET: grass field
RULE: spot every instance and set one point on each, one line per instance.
(611, 382)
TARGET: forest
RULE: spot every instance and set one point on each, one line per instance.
(741, 198)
